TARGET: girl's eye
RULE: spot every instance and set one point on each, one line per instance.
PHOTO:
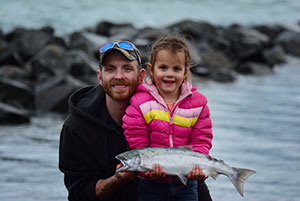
(162, 67)
(177, 68)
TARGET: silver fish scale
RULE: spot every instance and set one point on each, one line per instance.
(169, 160)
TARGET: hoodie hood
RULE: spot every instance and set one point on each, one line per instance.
(86, 103)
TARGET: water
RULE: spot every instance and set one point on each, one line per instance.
(29, 161)
(256, 124)
(67, 16)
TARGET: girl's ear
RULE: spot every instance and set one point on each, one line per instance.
(187, 74)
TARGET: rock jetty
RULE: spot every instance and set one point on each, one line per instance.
(39, 70)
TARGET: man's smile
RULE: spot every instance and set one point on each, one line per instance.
(119, 86)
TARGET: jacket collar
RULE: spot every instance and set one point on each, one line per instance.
(186, 90)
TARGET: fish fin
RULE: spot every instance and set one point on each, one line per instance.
(182, 178)
(210, 172)
(239, 179)
(186, 147)
(214, 175)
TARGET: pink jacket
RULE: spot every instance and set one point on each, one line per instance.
(149, 123)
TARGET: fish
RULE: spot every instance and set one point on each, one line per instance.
(179, 161)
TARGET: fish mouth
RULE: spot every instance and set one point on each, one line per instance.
(124, 167)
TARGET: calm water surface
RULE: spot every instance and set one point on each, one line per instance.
(256, 125)
(69, 15)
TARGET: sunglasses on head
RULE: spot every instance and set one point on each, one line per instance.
(126, 45)
(121, 44)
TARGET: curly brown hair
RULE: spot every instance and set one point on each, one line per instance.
(174, 43)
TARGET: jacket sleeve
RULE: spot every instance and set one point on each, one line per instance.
(201, 136)
(135, 126)
(78, 168)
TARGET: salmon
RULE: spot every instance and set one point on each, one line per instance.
(180, 161)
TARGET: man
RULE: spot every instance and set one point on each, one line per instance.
(92, 135)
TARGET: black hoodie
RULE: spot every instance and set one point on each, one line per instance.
(89, 142)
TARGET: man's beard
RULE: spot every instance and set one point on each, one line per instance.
(123, 95)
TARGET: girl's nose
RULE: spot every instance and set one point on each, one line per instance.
(169, 73)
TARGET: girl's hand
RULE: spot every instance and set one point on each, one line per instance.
(197, 174)
(157, 173)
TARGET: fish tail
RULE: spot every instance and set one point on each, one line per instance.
(239, 178)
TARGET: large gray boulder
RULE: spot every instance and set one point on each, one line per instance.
(23, 44)
(253, 68)
(82, 66)
(205, 35)
(53, 94)
(3, 42)
(16, 93)
(272, 31)
(274, 55)
(123, 31)
(87, 42)
(290, 42)
(12, 115)
(245, 43)
(50, 61)
(14, 72)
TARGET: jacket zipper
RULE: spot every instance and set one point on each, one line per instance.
(171, 116)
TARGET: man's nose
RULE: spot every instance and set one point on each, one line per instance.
(119, 74)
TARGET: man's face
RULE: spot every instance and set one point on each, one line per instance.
(119, 76)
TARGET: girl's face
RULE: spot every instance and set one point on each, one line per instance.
(168, 73)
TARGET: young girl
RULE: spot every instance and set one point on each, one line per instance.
(168, 111)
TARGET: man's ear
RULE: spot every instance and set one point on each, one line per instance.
(99, 76)
(142, 75)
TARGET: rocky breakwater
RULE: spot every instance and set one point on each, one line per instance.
(39, 70)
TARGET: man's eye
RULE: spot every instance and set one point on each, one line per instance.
(110, 69)
(128, 69)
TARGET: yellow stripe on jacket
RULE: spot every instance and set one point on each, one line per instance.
(165, 116)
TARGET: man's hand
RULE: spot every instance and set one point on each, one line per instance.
(157, 173)
(124, 176)
(197, 174)
(106, 187)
